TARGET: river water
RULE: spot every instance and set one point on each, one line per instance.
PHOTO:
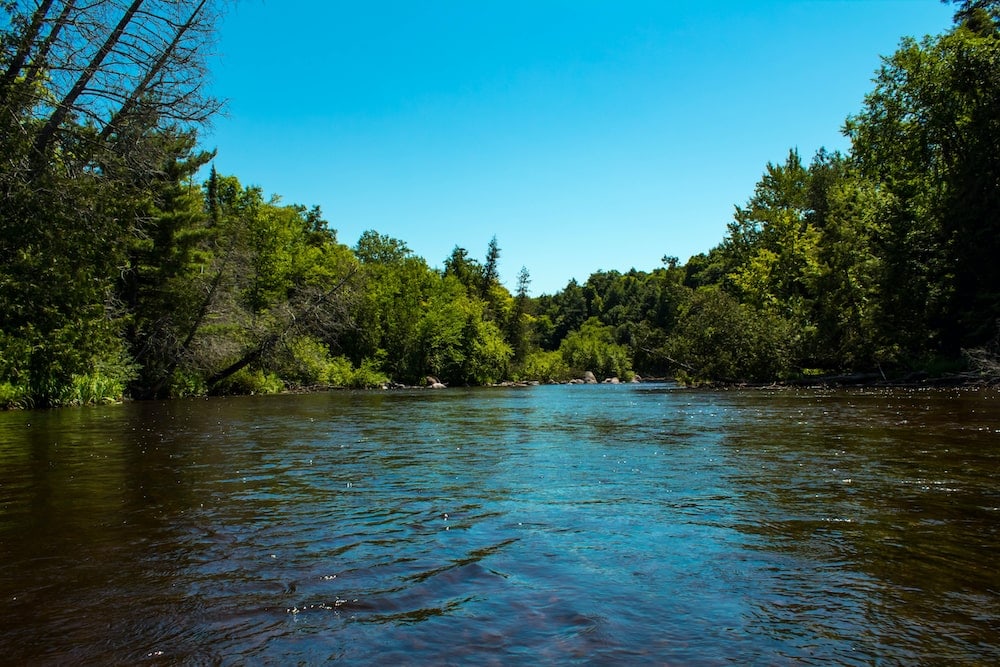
(639, 524)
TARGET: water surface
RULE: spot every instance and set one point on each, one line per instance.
(569, 524)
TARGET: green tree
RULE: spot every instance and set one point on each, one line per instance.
(929, 136)
(465, 269)
(92, 98)
(519, 326)
(719, 338)
(394, 300)
(593, 348)
(491, 269)
(162, 285)
(457, 344)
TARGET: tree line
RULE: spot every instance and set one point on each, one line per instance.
(122, 274)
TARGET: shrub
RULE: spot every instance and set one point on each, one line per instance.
(544, 366)
(593, 348)
(248, 381)
(13, 396)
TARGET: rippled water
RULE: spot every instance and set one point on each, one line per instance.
(571, 524)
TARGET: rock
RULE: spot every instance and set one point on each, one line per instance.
(635, 379)
(436, 385)
(589, 378)
(612, 380)
(431, 381)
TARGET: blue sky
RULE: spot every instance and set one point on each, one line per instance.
(584, 135)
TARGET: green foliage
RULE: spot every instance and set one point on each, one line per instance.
(489, 354)
(366, 376)
(185, 383)
(466, 270)
(119, 275)
(593, 348)
(251, 382)
(13, 396)
(309, 363)
(929, 136)
(718, 338)
(544, 366)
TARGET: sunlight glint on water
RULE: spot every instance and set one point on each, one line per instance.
(550, 524)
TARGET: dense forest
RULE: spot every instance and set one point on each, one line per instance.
(124, 274)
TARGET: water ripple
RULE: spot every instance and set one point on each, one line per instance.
(610, 524)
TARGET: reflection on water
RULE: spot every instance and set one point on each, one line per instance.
(632, 524)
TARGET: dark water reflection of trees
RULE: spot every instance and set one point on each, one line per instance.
(894, 492)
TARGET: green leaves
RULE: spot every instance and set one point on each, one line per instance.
(719, 338)
(929, 137)
(593, 348)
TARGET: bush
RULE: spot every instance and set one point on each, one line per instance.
(248, 381)
(367, 376)
(489, 355)
(185, 383)
(309, 363)
(13, 396)
(544, 366)
(106, 383)
(593, 348)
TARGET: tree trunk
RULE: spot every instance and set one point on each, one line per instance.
(44, 137)
(39, 61)
(24, 45)
(151, 74)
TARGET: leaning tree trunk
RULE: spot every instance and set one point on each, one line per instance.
(44, 137)
(143, 86)
(23, 52)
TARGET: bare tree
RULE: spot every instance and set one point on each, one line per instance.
(121, 68)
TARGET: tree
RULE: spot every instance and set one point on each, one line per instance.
(94, 78)
(567, 310)
(375, 248)
(719, 338)
(977, 14)
(163, 285)
(518, 326)
(929, 136)
(592, 348)
(94, 97)
(284, 285)
(491, 271)
(387, 315)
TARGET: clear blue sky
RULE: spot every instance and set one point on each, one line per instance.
(585, 135)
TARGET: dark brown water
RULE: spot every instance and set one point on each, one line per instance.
(554, 525)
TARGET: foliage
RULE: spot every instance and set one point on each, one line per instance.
(544, 366)
(929, 136)
(719, 338)
(251, 381)
(306, 362)
(123, 276)
(592, 348)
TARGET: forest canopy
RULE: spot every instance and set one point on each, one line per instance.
(126, 272)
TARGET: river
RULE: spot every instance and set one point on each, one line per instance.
(629, 524)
